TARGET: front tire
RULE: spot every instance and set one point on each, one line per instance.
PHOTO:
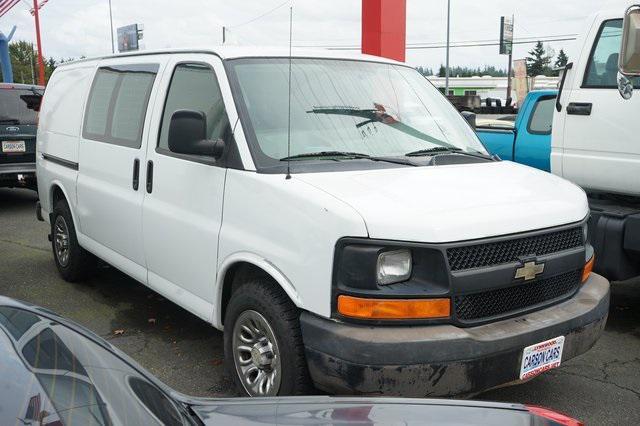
(263, 345)
(73, 262)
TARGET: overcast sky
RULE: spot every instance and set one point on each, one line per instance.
(72, 28)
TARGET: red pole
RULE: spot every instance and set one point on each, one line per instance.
(384, 24)
(39, 44)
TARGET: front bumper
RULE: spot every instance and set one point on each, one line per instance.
(445, 360)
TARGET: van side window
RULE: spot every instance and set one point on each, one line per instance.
(602, 69)
(195, 87)
(117, 104)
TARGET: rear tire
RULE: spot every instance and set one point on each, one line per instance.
(73, 262)
(263, 345)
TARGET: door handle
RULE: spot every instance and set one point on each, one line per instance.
(579, 108)
(149, 176)
(136, 174)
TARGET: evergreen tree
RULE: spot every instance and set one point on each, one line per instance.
(537, 61)
(442, 72)
(561, 60)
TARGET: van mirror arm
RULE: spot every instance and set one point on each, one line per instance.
(564, 77)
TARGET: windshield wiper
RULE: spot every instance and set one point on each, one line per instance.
(348, 155)
(452, 150)
(325, 154)
(9, 121)
(378, 115)
(429, 151)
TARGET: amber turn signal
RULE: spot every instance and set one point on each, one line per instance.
(393, 309)
(588, 267)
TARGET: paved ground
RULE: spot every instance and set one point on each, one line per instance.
(600, 387)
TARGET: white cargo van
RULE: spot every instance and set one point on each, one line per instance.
(379, 249)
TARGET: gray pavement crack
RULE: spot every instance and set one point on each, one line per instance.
(568, 373)
(17, 243)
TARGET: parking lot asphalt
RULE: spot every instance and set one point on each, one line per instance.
(599, 387)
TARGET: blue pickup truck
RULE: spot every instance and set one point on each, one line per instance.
(528, 140)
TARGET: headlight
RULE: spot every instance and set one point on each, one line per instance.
(393, 266)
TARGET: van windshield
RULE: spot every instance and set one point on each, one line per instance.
(13, 110)
(343, 106)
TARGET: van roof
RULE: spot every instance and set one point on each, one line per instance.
(235, 52)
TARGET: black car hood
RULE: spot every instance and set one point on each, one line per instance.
(324, 410)
(55, 372)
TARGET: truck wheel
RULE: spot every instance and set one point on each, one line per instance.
(73, 262)
(262, 342)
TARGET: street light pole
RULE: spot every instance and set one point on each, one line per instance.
(446, 71)
(113, 47)
(36, 15)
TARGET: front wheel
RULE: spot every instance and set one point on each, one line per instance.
(263, 343)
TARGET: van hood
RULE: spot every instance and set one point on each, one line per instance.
(454, 202)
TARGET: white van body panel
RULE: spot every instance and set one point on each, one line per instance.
(58, 133)
(182, 215)
(67, 91)
(109, 211)
(291, 225)
(605, 141)
(446, 203)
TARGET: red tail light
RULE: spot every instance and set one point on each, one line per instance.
(558, 418)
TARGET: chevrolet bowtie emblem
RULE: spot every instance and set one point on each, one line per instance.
(529, 270)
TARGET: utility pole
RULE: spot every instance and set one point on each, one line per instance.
(446, 71)
(509, 66)
(224, 35)
(36, 15)
(113, 46)
(33, 76)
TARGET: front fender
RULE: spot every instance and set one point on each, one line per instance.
(260, 262)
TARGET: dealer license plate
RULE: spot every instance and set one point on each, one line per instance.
(13, 146)
(541, 357)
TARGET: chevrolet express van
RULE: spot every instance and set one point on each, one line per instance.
(339, 219)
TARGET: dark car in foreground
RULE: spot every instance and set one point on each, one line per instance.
(18, 127)
(54, 372)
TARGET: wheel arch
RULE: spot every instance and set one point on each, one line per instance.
(248, 264)
(57, 191)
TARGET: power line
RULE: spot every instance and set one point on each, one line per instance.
(260, 16)
(464, 43)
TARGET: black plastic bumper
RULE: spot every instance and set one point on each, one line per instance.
(445, 360)
(614, 231)
(18, 175)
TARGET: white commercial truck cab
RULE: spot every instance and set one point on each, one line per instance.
(334, 214)
(596, 141)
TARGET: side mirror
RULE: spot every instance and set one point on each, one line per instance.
(470, 117)
(188, 132)
(629, 59)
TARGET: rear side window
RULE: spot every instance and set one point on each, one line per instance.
(118, 103)
(195, 87)
(542, 116)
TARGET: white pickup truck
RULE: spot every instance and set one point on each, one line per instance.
(596, 137)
